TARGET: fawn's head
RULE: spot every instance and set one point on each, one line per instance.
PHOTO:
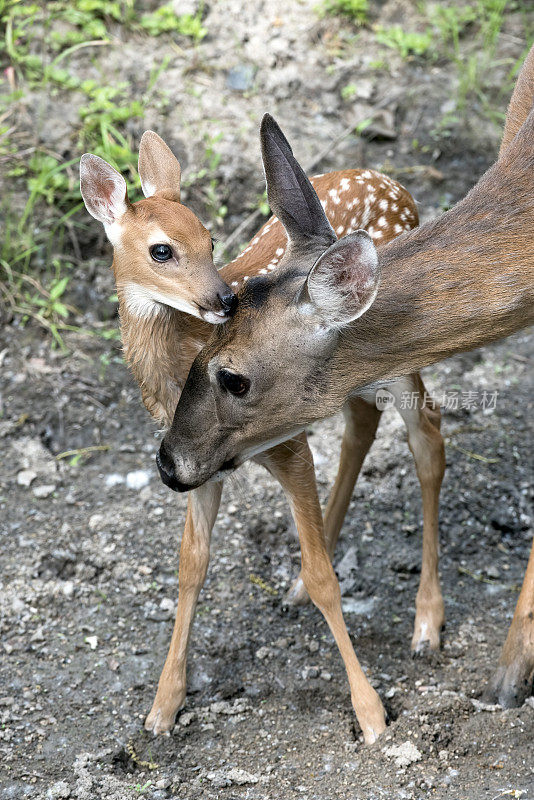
(162, 254)
(271, 362)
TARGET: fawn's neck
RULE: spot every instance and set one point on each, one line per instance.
(159, 350)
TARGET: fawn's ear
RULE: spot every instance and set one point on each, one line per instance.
(159, 169)
(291, 196)
(103, 189)
(343, 282)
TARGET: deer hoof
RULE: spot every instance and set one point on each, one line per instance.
(162, 716)
(297, 594)
(512, 683)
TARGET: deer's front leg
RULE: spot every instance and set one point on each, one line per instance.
(513, 680)
(292, 464)
(361, 422)
(203, 504)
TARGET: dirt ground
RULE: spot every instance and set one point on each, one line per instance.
(88, 577)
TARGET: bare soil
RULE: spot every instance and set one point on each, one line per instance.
(88, 577)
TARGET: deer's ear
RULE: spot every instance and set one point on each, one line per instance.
(343, 282)
(159, 169)
(103, 189)
(291, 196)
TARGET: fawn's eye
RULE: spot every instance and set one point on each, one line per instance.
(237, 385)
(161, 252)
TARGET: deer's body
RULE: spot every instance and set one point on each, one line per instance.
(160, 343)
(341, 317)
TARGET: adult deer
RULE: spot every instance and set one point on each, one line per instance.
(339, 316)
(163, 268)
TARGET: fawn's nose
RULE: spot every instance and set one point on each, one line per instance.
(228, 302)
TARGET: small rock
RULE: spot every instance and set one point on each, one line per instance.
(58, 790)
(68, 588)
(40, 492)
(326, 676)
(310, 672)
(404, 754)
(95, 521)
(263, 653)
(25, 477)
(37, 636)
(92, 641)
(186, 718)
(167, 605)
(114, 479)
(364, 606)
(240, 78)
(138, 479)
(313, 646)
(241, 776)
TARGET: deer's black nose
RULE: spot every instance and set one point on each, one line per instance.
(167, 471)
(228, 302)
(166, 468)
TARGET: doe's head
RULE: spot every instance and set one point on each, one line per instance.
(271, 363)
(162, 253)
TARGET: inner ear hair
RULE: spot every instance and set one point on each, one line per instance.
(343, 282)
(159, 169)
(103, 189)
(290, 194)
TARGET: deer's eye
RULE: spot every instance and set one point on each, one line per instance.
(161, 252)
(237, 385)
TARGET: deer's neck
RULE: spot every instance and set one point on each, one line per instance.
(160, 349)
(462, 281)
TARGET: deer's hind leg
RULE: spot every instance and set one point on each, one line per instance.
(422, 418)
(361, 423)
(202, 507)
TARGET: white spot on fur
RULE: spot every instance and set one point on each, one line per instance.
(398, 228)
(234, 283)
(344, 184)
(263, 272)
(384, 205)
(280, 251)
(340, 229)
(335, 196)
(382, 222)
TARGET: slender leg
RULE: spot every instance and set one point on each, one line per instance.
(292, 464)
(202, 510)
(426, 444)
(513, 680)
(361, 422)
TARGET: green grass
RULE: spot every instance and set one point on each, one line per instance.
(355, 10)
(407, 43)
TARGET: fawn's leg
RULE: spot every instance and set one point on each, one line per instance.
(513, 679)
(292, 464)
(426, 444)
(361, 422)
(203, 504)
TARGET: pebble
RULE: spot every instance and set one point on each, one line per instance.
(92, 641)
(167, 605)
(58, 790)
(41, 492)
(113, 479)
(263, 653)
(138, 478)
(25, 477)
(404, 754)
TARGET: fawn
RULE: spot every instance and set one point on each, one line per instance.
(339, 316)
(163, 268)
